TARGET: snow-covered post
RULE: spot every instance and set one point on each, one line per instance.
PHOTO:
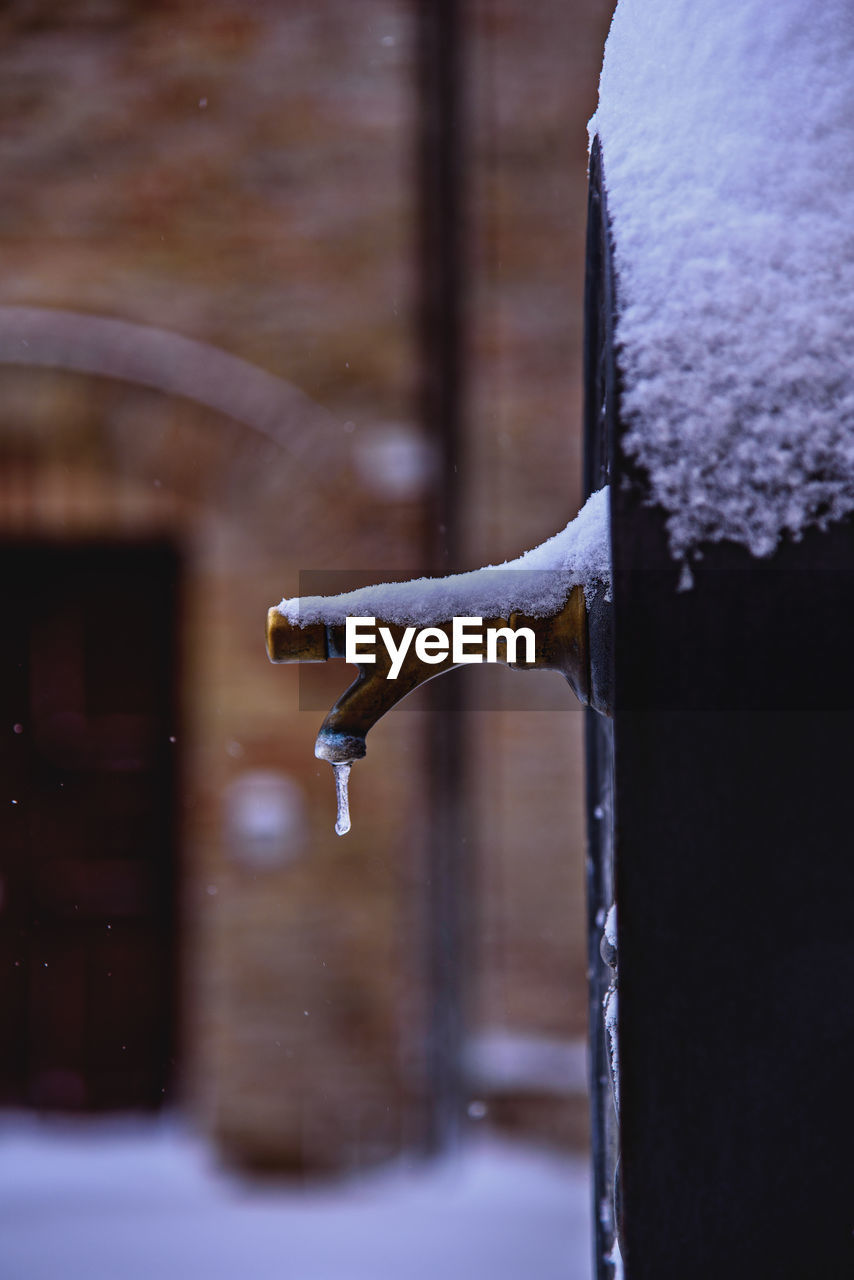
(727, 136)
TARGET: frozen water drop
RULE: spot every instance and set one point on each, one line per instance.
(342, 778)
(686, 578)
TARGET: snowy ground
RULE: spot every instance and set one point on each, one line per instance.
(121, 1202)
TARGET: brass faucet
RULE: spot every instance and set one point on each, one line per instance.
(561, 644)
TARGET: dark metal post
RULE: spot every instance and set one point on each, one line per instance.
(734, 876)
(600, 400)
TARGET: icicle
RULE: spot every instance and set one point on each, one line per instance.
(342, 776)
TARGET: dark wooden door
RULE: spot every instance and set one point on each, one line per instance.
(87, 825)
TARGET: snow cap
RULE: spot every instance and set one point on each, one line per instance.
(727, 135)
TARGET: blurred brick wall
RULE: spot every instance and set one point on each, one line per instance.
(244, 176)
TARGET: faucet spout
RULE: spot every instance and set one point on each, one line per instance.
(565, 582)
(560, 644)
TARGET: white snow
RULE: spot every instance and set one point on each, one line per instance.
(727, 135)
(101, 1201)
(611, 924)
(537, 583)
(501, 1061)
(616, 1260)
(612, 1024)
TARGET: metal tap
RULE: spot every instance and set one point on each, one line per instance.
(562, 644)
